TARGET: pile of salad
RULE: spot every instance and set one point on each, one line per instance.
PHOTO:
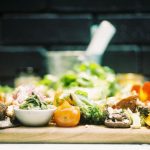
(100, 82)
(87, 94)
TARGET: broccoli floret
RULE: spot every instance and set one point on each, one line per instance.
(90, 112)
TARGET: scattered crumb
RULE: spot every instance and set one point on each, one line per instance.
(86, 126)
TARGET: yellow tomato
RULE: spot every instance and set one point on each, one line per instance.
(147, 120)
(60, 97)
(67, 115)
(57, 101)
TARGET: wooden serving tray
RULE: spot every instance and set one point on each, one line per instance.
(79, 134)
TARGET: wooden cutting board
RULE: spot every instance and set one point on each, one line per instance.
(79, 134)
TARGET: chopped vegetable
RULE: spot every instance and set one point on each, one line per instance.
(136, 121)
(33, 102)
(90, 111)
(147, 120)
(49, 81)
(91, 75)
(142, 120)
(136, 88)
(67, 115)
(117, 118)
(144, 110)
(93, 69)
(69, 79)
(5, 89)
(128, 102)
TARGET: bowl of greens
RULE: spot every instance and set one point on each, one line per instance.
(33, 112)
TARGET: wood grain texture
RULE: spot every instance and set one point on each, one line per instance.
(80, 134)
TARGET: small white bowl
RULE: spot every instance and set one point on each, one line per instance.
(34, 117)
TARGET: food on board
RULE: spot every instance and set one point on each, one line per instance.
(67, 115)
(87, 94)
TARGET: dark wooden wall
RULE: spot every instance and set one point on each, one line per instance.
(27, 26)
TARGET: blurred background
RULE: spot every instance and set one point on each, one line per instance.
(31, 28)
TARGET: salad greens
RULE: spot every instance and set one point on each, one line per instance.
(49, 81)
(88, 75)
(91, 75)
(5, 89)
(69, 79)
(73, 79)
(33, 102)
(91, 113)
(92, 69)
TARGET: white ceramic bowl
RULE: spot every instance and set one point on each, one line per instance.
(34, 117)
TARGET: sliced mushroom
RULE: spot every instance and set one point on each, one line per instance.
(117, 119)
(117, 124)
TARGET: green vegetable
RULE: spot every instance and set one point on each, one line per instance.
(145, 111)
(91, 75)
(93, 69)
(142, 120)
(69, 79)
(90, 112)
(5, 89)
(49, 81)
(81, 93)
(33, 102)
(86, 75)
(113, 88)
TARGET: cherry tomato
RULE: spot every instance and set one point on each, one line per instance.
(136, 88)
(67, 115)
